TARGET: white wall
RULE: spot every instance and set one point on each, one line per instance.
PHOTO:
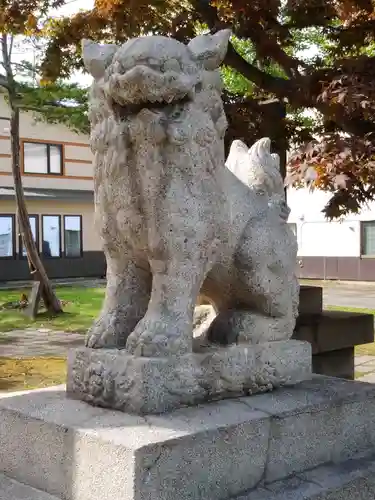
(316, 235)
(77, 156)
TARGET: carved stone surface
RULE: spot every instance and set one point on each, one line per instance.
(175, 221)
(115, 379)
(178, 223)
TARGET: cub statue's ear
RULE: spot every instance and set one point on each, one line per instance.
(96, 57)
(210, 50)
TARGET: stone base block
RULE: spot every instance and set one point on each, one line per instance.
(351, 480)
(115, 379)
(248, 446)
(13, 490)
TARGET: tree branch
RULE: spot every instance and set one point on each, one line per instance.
(11, 47)
(274, 84)
(4, 82)
(257, 35)
(26, 107)
(26, 67)
(6, 59)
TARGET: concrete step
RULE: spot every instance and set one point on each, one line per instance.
(333, 336)
(353, 479)
(13, 490)
(214, 451)
(310, 299)
(334, 330)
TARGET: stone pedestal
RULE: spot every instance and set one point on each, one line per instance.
(315, 440)
(115, 379)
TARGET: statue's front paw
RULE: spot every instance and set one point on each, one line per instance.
(108, 332)
(154, 338)
(99, 338)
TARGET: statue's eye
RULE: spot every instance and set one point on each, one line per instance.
(198, 87)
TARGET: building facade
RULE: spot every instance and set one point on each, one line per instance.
(57, 175)
(343, 249)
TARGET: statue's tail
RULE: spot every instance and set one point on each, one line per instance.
(257, 167)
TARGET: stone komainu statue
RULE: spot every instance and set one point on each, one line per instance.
(175, 220)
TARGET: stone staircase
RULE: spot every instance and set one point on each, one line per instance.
(10, 489)
(313, 441)
(352, 480)
(333, 335)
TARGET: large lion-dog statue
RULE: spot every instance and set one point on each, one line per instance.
(177, 221)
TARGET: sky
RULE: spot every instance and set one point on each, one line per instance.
(71, 7)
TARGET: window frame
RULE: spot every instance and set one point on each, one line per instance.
(37, 239)
(48, 145)
(80, 236)
(13, 218)
(42, 239)
(293, 225)
(362, 239)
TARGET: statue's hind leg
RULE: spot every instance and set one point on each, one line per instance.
(265, 291)
(127, 297)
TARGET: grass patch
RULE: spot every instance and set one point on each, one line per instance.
(365, 349)
(83, 305)
(358, 375)
(31, 373)
(362, 310)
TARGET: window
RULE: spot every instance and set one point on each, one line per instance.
(39, 158)
(51, 236)
(368, 238)
(34, 224)
(73, 235)
(7, 236)
(293, 227)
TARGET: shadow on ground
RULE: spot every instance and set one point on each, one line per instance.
(9, 339)
(9, 385)
(68, 343)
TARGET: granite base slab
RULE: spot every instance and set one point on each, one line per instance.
(350, 480)
(216, 451)
(118, 380)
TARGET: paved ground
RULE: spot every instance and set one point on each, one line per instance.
(361, 295)
(34, 342)
(45, 342)
(84, 282)
(346, 294)
(365, 368)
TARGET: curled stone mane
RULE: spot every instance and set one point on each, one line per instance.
(143, 103)
(176, 222)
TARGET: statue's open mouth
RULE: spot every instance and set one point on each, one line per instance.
(143, 87)
(125, 110)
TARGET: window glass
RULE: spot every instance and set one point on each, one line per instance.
(6, 236)
(41, 158)
(51, 236)
(34, 229)
(35, 158)
(55, 159)
(72, 235)
(368, 234)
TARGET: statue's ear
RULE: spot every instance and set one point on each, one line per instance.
(96, 57)
(210, 50)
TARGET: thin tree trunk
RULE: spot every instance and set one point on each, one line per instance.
(36, 266)
(51, 302)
